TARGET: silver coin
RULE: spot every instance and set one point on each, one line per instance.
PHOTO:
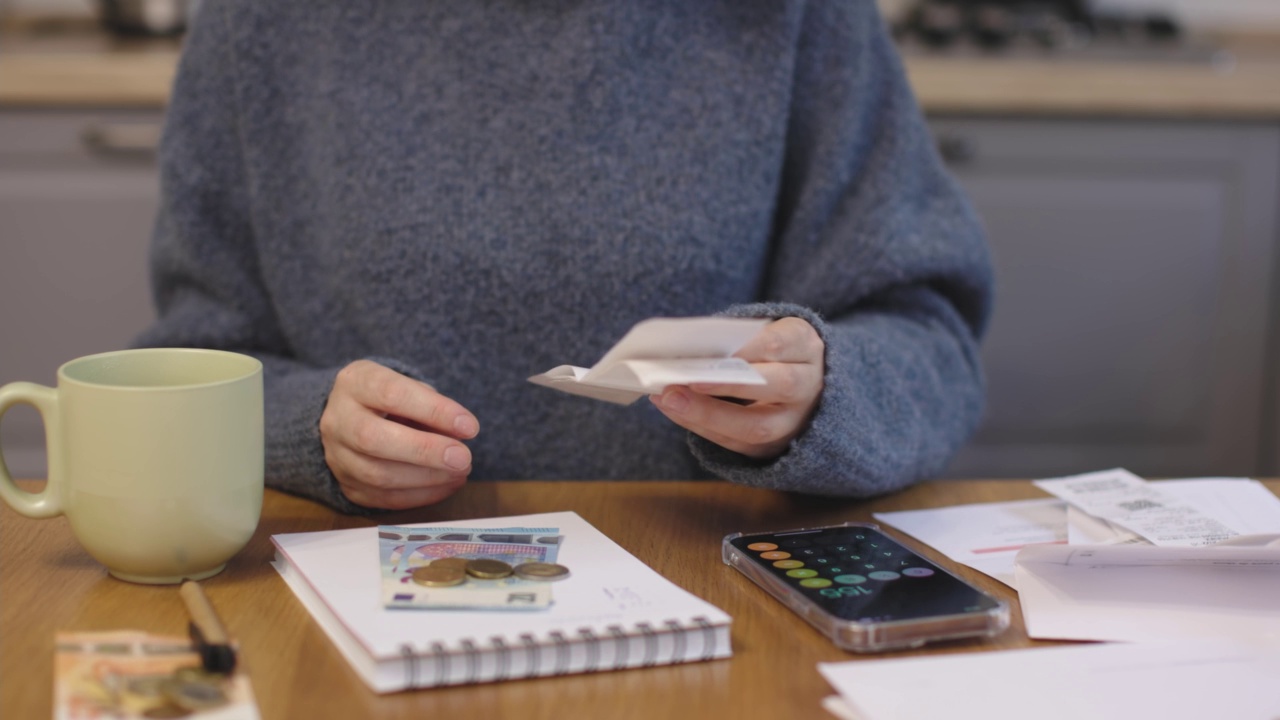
(195, 695)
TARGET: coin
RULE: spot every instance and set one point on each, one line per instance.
(195, 673)
(434, 575)
(166, 711)
(488, 569)
(195, 694)
(541, 571)
(150, 686)
(452, 562)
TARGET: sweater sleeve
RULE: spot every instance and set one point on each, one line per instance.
(206, 283)
(877, 248)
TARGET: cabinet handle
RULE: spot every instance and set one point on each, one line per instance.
(122, 139)
(957, 150)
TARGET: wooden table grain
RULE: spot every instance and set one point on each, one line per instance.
(49, 584)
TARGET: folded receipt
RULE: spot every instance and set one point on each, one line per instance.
(659, 352)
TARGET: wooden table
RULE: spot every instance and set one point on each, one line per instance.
(48, 583)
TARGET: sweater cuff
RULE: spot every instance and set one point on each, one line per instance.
(830, 456)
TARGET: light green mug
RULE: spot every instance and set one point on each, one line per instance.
(155, 458)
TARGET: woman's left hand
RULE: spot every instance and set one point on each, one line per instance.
(791, 356)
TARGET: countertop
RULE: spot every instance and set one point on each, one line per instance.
(1246, 89)
(73, 64)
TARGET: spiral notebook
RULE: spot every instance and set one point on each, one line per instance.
(614, 612)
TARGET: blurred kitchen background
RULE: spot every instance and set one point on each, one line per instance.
(1125, 155)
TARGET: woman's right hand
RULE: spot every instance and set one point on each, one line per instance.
(394, 442)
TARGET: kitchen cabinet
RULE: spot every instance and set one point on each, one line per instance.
(1136, 280)
(78, 198)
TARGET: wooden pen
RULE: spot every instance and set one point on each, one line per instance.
(208, 635)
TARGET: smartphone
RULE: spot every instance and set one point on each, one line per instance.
(863, 589)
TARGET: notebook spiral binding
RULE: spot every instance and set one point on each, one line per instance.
(562, 653)
(679, 637)
(593, 648)
(650, 643)
(619, 637)
(708, 637)
(442, 660)
(504, 658)
(472, 653)
(531, 650)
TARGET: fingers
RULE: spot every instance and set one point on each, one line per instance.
(393, 442)
(372, 480)
(785, 383)
(376, 483)
(791, 357)
(372, 435)
(786, 340)
(759, 430)
(400, 499)
(382, 389)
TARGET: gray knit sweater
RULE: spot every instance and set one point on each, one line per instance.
(475, 191)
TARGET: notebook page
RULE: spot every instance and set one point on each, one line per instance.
(609, 586)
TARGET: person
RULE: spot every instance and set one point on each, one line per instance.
(406, 209)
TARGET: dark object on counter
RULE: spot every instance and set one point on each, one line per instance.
(995, 24)
(992, 25)
(938, 23)
(1045, 28)
(152, 18)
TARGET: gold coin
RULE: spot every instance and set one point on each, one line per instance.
(165, 711)
(488, 569)
(453, 562)
(434, 575)
(195, 673)
(195, 695)
(541, 571)
(151, 686)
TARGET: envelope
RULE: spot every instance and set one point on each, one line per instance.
(1144, 593)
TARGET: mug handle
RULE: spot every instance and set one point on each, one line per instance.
(48, 502)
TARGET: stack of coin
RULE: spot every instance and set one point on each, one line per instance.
(189, 690)
(195, 691)
(450, 571)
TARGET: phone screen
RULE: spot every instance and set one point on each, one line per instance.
(859, 574)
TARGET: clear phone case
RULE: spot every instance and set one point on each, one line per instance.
(989, 616)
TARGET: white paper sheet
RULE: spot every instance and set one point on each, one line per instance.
(1243, 504)
(985, 536)
(1146, 593)
(659, 352)
(1124, 499)
(1094, 682)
